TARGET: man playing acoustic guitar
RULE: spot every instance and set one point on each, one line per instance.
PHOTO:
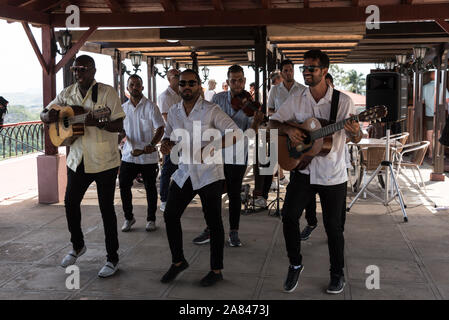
(93, 157)
(325, 175)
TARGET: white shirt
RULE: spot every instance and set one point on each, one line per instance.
(211, 116)
(97, 147)
(330, 169)
(279, 93)
(140, 123)
(167, 99)
(209, 94)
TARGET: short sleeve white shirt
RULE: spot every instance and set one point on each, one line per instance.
(167, 99)
(211, 116)
(140, 124)
(330, 169)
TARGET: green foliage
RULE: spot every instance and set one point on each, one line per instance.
(21, 113)
(337, 74)
(354, 81)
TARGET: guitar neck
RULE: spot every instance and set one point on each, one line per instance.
(81, 118)
(330, 129)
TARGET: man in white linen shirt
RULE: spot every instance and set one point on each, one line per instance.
(143, 127)
(326, 175)
(191, 179)
(93, 157)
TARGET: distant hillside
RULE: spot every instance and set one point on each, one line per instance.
(30, 97)
(21, 113)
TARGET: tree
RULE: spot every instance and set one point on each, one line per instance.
(337, 74)
(354, 81)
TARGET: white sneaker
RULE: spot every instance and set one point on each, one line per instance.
(274, 185)
(108, 270)
(260, 202)
(284, 181)
(71, 257)
(163, 206)
(151, 226)
(127, 225)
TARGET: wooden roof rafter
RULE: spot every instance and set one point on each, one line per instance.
(168, 5)
(256, 16)
(218, 5)
(115, 6)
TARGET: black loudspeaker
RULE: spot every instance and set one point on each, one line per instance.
(388, 89)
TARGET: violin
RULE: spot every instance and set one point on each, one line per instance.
(244, 101)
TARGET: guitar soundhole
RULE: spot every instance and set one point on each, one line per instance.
(66, 122)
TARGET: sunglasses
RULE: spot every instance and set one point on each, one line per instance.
(311, 69)
(79, 68)
(191, 83)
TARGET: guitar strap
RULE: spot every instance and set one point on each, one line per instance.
(334, 106)
(95, 93)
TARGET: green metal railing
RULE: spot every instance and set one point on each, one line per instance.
(17, 139)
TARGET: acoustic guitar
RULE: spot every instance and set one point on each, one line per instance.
(319, 138)
(70, 124)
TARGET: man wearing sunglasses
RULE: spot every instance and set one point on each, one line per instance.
(165, 101)
(143, 127)
(233, 171)
(326, 175)
(93, 157)
(205, 179)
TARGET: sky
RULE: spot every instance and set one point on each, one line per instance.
(21, 71)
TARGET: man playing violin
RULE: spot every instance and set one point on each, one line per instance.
(236, 104)
(93, 157)
(144, 128)
(325, 175)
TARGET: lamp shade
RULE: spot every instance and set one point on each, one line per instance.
(136, 58)
(251, 55)
(419, 52)
(205, 71)
(66, 39)
(401, 59)
(166, 63)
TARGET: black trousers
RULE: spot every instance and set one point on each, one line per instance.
(128, 172)
(77, 184)
(168, 168)
(311, 213)
(234, 177)
(299, 195)
(262, 183)
(178, 200)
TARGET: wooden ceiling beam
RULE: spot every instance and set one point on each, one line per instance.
(254, 17)
(114, 5)
(8, 12)
(443, 24)
(266, 4)
(36, 49)
(218, 5)
(168, 5)
(74, 49)
(42, 5)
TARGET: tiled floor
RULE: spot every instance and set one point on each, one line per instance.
(412, 258)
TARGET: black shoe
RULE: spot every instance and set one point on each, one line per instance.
(211, 278)
(234, 240)
(203, 238)
(306, 232)
(336, 284)
(173, 272)
(292, 278)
